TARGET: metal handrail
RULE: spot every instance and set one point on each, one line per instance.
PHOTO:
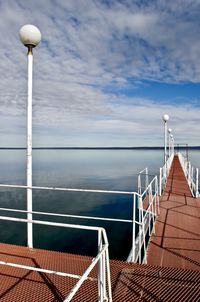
(67, 215)
(164, 172)
(145, 173)
(144, 219)
(191, 174)
(102, 257)
(66, 189)
(140, 218)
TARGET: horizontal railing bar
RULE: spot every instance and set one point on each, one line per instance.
(68, 189)
(144, 170)
(146, 174)
(66, 215)
(41, 270)
(56, 224)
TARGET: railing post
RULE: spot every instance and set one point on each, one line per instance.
(147, 178)
(197, 183)
(107, 269)
(157, 197)
(191, 179)
(189, 171)
(140, 228)
(139, 184)
(143, 232)
(133, 228)
(150, 202)
(160, 182)
(104, 275)
(100, 269)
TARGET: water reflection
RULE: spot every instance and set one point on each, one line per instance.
(92, 169)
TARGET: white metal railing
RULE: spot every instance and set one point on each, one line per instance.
(191, 174)
(140, 217)
(102, 259)
(147, 204)
(164, 172)
(143, 180)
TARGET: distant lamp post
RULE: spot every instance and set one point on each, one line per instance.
(30, 36)
(169, 141)
(165, 119)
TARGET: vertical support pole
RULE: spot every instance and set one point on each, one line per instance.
(197, 183)
(160, 182)
(147, 178)
(153, 209)
(100, 271)
(187, 152)
(140, 228)
(133, 228)
(165, 141)
(143, 233)
(29, 148)
(104, 275)
(155, 195)
(107, 269)
(192, 179)
(150, 209)
(139, 184)
(158, 201)
(189, 173)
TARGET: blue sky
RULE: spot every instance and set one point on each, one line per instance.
(104, 73)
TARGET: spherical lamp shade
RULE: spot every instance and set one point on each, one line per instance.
(169, 130)
(165, 117)
(30, 35)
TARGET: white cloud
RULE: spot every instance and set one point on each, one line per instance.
(88, 46)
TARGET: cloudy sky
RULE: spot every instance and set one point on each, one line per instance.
(104, 74)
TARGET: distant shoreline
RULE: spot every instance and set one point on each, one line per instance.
(99, 148)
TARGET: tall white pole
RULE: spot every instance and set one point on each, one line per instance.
(165, 119)
(165, 140)
(29, 147)
(30, 36)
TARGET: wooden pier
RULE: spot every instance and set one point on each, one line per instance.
(172, 272)
(176, 242)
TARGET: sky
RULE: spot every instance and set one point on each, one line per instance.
(105, 72)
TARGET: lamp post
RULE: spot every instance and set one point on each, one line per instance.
(30, 36)
(165, 119)
(169, 141)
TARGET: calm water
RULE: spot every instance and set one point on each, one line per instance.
(91, 169)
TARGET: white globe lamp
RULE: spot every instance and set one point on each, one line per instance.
(30, 35)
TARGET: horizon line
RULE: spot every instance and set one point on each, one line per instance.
(100, 148)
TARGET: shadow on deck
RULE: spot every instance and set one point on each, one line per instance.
(130, 282)
(176, 242)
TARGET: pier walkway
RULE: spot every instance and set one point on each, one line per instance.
(176, 242)
(172, 272)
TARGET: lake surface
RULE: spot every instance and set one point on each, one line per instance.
(86, 169)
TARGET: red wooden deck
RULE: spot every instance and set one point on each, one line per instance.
(177, 239)
(172, 273)
(130, 282)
